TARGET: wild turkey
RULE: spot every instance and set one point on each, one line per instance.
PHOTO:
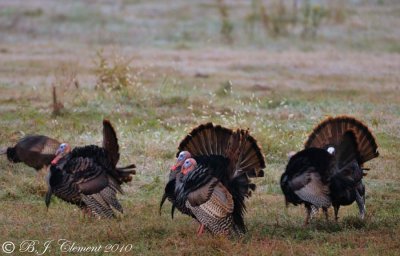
(36, 151)
(330, 168)
(175, 179)
(88, 177)
(210, 179)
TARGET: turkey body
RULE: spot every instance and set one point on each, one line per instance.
(85, 177)
(36, 151)
(347, 187)
(306, 178)
(214, 191)
(329, 170)
(170, 192)
(88, 177)
(214, 200)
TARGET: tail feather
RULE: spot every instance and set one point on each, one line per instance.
(251, 159)
(222, 138)
(331, 131)
(191, 143)
(206, 140)
(241, 188)
(124, 173)
(110, 142)
(209, 140)
(233, 151)
(240, 147)
(128, 168)
(347, 150)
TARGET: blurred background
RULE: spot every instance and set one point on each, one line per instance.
(278, 25)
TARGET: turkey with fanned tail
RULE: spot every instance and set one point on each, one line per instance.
(329, 170)
(88, 177)
(211, 177)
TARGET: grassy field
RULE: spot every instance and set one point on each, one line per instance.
(157, 70)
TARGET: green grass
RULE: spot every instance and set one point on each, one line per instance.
(278, 88)
(149, 132)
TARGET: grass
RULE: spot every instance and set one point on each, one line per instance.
(278, 88)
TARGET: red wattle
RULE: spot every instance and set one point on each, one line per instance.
(55, 160)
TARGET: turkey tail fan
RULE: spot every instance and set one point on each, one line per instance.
(110, 142)
(240, 147)
(124, 173)
(347, 150)
(206, 140)
(251, 159)
(129, 168)
(331, 130)
(245, 153)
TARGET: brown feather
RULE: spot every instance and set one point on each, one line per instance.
(310, 188)
(238, 146)
(35, 151)
(331, 130)
(200, 140)
(202, 194)
(94, 184)
(220, 204)
(110, 142)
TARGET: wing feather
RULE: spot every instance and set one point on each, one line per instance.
(110, 142)
(309, 187)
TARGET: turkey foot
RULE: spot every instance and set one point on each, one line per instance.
(200, 230)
